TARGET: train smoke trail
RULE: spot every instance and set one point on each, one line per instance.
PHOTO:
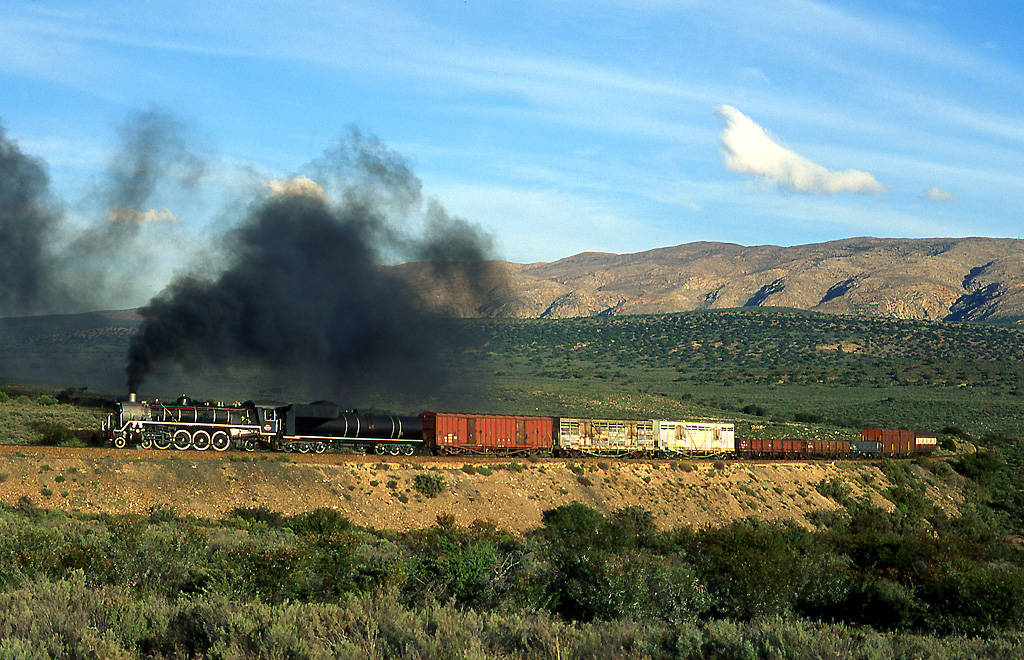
(29, 221)
(47, 265)
(303, 291)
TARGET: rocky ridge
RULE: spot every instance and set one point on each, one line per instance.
(953, 279)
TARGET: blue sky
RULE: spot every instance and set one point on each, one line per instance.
(560, 127)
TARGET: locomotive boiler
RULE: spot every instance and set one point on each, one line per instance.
(314, 427)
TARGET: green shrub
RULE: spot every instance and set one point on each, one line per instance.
(46, 400)
(429, 485)
(259, 514)
(321, 522)
(52, 435)
(981, 466)
(469, 469)
(834, 489)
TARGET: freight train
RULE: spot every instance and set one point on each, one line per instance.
(321, 426)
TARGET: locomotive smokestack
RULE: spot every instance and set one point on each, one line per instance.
(131, 397)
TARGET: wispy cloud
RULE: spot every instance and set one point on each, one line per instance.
(122, 215)
(749, 149)
(936, 194)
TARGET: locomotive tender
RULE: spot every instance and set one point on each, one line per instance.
(317, 427)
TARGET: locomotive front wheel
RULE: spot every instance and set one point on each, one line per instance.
(147, 443)
(120, 442)
(201, 440)
(182, 440)
(251, 445)
(221, 441)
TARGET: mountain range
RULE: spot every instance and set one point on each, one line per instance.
(952, 279)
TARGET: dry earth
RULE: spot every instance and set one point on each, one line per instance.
(212, 485)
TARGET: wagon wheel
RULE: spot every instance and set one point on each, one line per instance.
(393, 450)
(182, 439)
(304, 447)
(201, 440)
(408, 450)
(221, 441)
(380, 450)
(251, 445)
(320, 448)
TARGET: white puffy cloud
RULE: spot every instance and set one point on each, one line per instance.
(749, 149)
(122, 215)
(295, 187)
(936, 194)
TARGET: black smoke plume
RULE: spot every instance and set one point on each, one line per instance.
(50, 265)
(155, 147)
(29, 221)
(304, 292)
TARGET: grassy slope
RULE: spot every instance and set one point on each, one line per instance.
(775, 372)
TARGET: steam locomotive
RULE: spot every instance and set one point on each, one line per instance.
(314, 427)
(320, 426)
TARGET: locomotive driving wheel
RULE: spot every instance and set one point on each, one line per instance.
(221, 441)
(201, 440)
(182, 440)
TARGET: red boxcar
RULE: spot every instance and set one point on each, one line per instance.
(827, 448)
(894, 442)
(769, 447)
(507, 435)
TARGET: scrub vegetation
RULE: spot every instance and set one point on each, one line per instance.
(863, 583)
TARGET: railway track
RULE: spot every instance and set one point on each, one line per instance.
(338, 458)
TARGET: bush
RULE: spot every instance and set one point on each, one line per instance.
(834, 489)
(980, 466)
(430, 485)
(52, 435)
(259, 514)
(47, 400)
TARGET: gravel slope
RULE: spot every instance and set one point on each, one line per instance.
(370, 491)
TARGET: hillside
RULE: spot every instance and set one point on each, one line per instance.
(955, 279)
(379, 493)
